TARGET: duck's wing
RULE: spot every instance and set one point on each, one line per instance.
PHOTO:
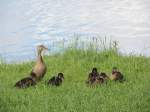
(52, 80)
(120, 77)
(32, 74)
(58, 81)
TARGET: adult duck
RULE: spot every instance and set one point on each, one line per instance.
(37, 72)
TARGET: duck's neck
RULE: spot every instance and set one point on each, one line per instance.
(39, 58)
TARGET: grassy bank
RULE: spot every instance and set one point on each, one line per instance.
(74, 96)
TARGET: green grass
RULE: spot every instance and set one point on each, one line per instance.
(74, 96)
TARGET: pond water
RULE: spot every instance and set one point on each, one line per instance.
(27, 23)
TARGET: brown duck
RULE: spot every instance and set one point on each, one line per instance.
(37, 72)
(116, 75)
(39, 69)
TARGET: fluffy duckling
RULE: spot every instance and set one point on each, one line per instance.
(25, 82)
(92, 76)
(116, 75)
(104, 76)
(99, 80)
(56, 80)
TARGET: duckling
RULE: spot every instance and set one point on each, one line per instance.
(25, 82)
(37, 72)
(116, 75)
(104, 76)
(56, 80)
(92, 76)
(99, 80)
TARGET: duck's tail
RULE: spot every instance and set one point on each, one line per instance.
(25, 82)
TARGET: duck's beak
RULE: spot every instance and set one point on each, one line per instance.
(46, 49)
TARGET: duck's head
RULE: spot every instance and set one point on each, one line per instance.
(41, 48)
(94, 70)
(114, 70)
(61, 76)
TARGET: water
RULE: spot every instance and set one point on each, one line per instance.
(25, 24)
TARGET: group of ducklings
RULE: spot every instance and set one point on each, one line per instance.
(28, 81)
(96, 78)
(40, 69)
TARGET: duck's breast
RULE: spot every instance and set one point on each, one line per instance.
(39, 69)
(113, 77)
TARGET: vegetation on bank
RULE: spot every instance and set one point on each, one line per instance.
(74, 96)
